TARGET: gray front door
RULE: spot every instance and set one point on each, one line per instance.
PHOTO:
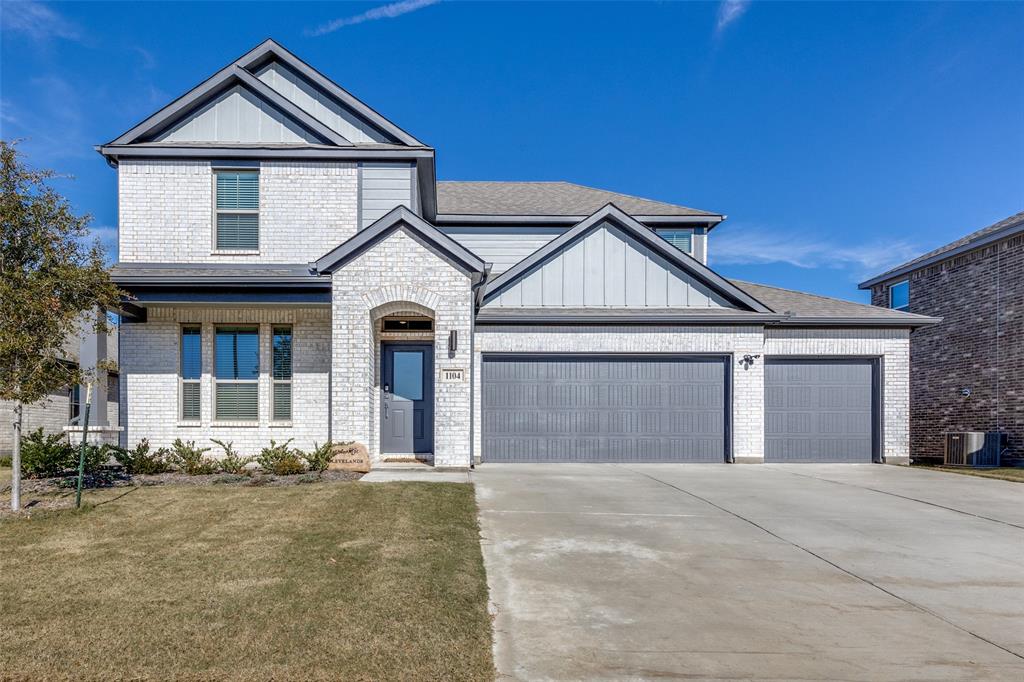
(407, 398)
(588, 408)
(820, 410)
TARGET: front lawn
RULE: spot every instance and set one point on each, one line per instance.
(324, 581)
(1002, 473)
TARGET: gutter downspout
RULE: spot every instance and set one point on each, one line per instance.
(478, 293)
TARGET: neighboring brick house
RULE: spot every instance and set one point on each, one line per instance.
(967, 373)
(297, 272)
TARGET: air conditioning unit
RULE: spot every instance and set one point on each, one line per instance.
(974, 448)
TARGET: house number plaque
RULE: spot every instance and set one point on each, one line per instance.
(453, 375)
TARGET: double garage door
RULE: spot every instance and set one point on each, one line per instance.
(665, 408)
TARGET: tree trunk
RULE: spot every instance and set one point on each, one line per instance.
(16, 459)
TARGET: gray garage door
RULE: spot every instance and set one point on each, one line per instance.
(820, 411)
(585, 408)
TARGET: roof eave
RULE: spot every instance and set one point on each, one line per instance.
(907, 268)
(534, 219)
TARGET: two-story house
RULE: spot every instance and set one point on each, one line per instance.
(298, 272)
(966, 373)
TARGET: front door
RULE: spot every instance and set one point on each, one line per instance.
(407, 398)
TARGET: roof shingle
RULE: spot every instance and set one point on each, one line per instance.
(546, 199)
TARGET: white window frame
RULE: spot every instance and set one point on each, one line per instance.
(217, 382)
(275, 382)
(183, 381)
(904, 308)
(217, 170)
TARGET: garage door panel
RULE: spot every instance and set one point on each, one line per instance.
(820, 410)
(593, 409)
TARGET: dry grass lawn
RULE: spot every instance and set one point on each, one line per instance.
(1002, 473)
(325, 581)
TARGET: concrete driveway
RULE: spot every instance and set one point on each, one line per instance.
(852, 572)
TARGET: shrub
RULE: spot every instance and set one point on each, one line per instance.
(190, 459)
(280, 460)
(5, 462)
(232, 462)
(141, 460)
(46, 456)
(319, 458)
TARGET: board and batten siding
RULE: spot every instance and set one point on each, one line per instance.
(607, 269)
(322, 106)
(241, 117)
(382, 186)
(503, 247)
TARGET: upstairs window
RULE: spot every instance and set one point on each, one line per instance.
(281, 348)
(899, 296)
(190, 369)
(237, 360)
(681, 239)
(237, 210)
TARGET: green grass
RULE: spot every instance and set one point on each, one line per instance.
(1002, 473)
(324, 581)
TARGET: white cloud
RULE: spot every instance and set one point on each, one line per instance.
(747, 245)
(395, 9)
(730, 11)
(37, 21)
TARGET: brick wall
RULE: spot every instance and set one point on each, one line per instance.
(968, 349)
(386, 279)
(149, 378)
(747, 383)
(166, 211)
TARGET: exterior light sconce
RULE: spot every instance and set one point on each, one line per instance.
(748, 360)
(453, 340)
(965, 392)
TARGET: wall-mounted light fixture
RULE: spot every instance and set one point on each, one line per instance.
(453, 340)
(748, 360)
(966, 391)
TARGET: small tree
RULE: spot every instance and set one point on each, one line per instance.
(50, 281)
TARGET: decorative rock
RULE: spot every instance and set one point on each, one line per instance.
(350, 457)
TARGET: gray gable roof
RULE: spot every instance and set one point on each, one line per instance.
(643, 234)
(986, 235)
(548, 199)
(242, 72)
(800, 307)
(398, 218)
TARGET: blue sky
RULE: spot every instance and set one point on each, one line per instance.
(839, 138)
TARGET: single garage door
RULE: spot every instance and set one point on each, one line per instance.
(586, 408)
(821, 410)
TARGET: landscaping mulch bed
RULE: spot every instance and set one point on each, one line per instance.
(40, 494)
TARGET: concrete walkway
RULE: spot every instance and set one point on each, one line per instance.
(852, 572)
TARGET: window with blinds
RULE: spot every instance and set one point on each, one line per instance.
(237, 372)
(681, 239)
(281, 350)
(190, 370)
(238, 210)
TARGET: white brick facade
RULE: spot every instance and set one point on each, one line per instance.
(166, 211)
(149, 366)
(891, 346)
(398, 274)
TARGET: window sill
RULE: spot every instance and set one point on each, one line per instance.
(188, 424)
(245, 424)
(235, 252)
(281, 425)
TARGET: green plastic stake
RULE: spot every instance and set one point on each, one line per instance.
(81, 449)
